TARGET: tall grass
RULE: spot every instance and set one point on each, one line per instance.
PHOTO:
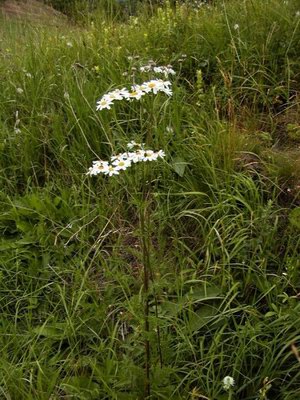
(223, 228)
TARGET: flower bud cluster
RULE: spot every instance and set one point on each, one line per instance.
(166, 70)
(122, 161)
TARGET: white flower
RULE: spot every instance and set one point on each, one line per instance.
(150, 155)
(19, 90)
(298, 14)
(135, 94)
(104, 103)
(111, 171)
(28, 74)
(228, 382)
(145, 68)
(69, 44)
(133, 144)
(121, 164)
(155, 85)
(120, 156)
(161, 154)
(236, 27)
(158, 70)
(136, 156)
(98, 167)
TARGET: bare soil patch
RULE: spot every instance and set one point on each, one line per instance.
(32, 10)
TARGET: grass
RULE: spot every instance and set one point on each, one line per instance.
(222, 217)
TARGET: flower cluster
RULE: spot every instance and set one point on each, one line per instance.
(136, 92)
(123, 161)
(168, 70)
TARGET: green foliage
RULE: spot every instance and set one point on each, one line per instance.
(224, 206)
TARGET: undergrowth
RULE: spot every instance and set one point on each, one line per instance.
(224, 206)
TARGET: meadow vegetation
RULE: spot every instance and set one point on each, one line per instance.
(218, 216)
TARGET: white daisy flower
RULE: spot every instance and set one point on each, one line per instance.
(111, 171)
(136, 156)
(114, 95)
(155, 85)
(19, 90)
(133, 144)
(135, 94)
(236, 27)
(104, 103)
(150, 155)
(98, 167)
(121, 164)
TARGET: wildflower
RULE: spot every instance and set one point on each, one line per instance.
(19, 90)
(111, 171)
(121, 164)
(298, 14)
(28, 74)
(150, 155)
(236, 27)
(69, 44)
(228, 382)
(133, 144)
(135, 94)
(145, 68)
(136, 156)
(98, 168)
(104, 103)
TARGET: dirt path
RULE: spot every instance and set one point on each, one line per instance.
(32, 10)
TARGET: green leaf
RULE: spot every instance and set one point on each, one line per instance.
(200, 318)
(179, 166)
(55, 331)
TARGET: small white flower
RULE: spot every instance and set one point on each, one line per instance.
(228, 382)
(133, 144)
(298, 14)
(19, 90)
(236, 27)
(114, 95)
(135, 94)
(158, 70)
(136, 156)
(111, 171)
(121, 164)
(28, 74)
(150, 155)
(69, 44)
(98, 167)
(104, 103)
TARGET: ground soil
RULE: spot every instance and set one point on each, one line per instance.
(31, 10)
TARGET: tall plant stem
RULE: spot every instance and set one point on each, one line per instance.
(146, 272)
